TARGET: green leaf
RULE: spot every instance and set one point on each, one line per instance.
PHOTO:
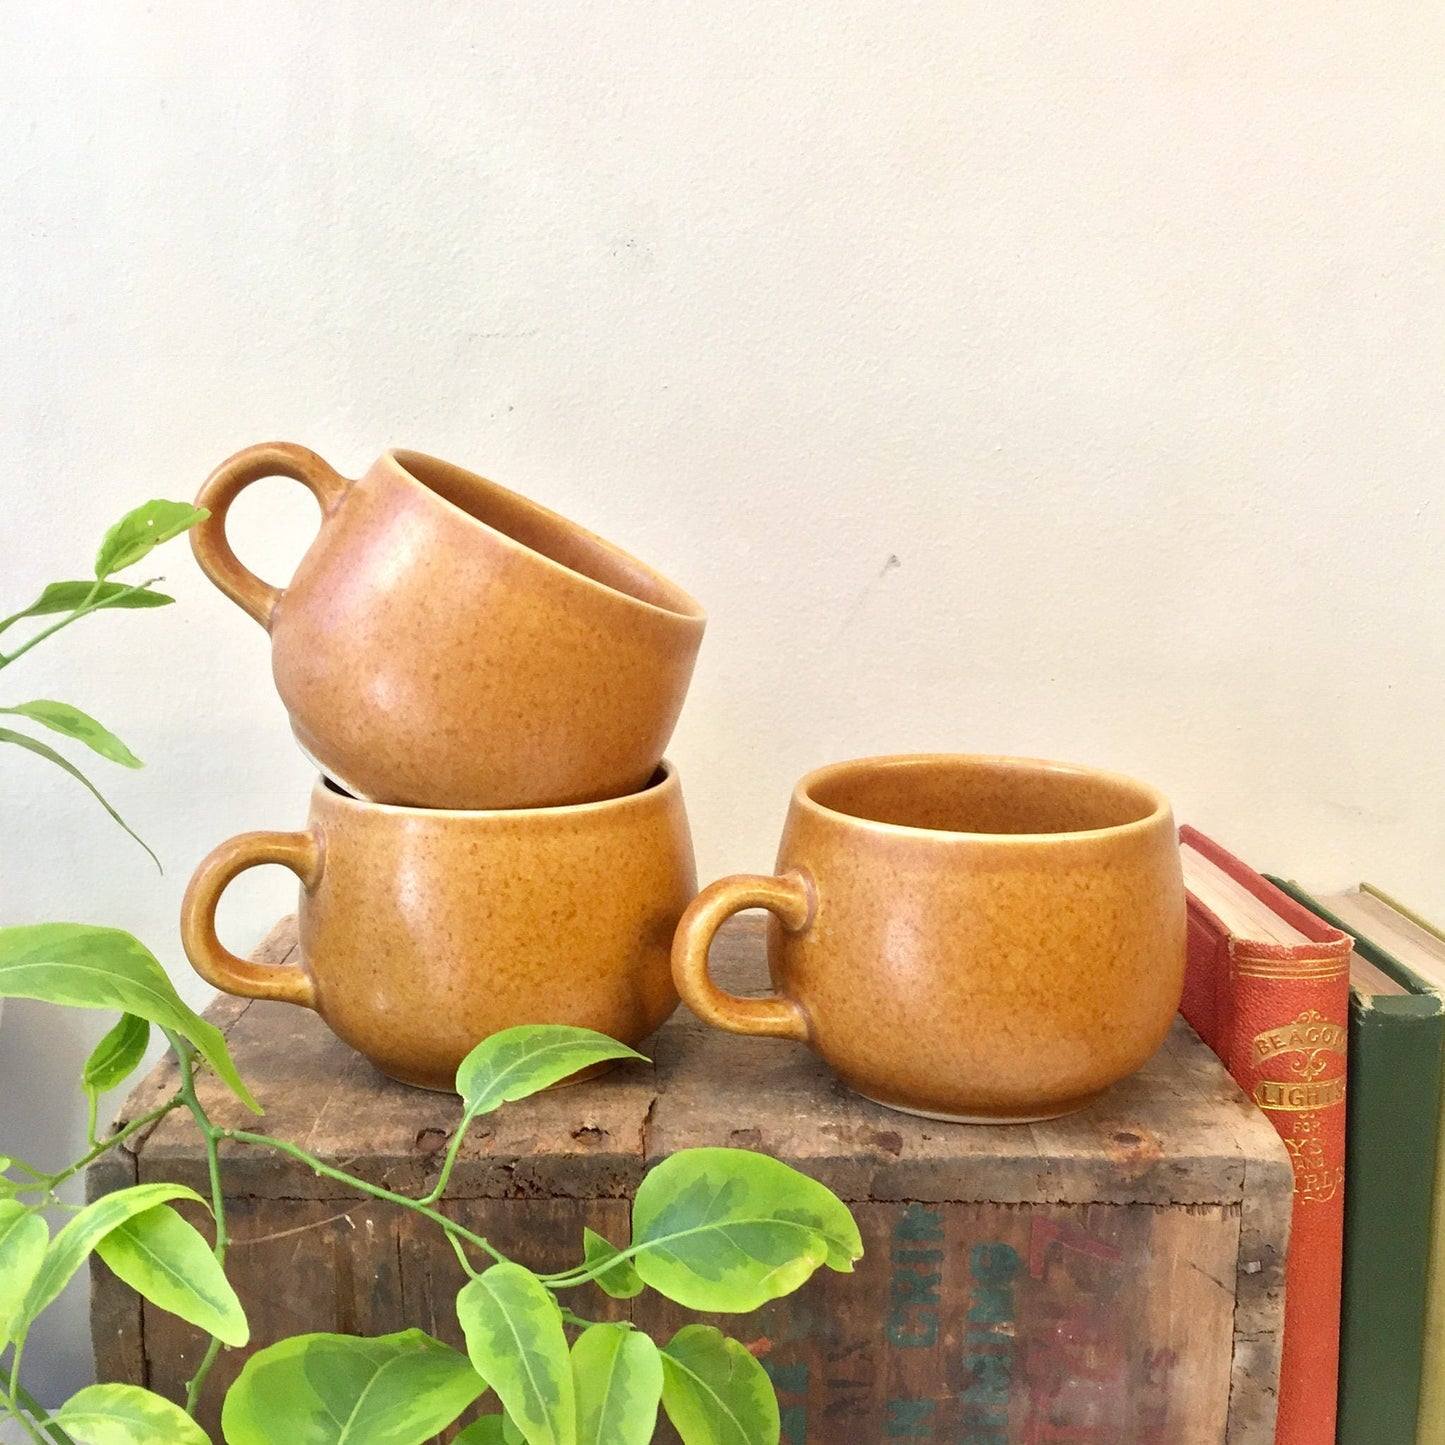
(23, 1238)
(60, 717)
(491, 1430)
(715, 1392)
(515, 1340)
(140, 531)
(159, 1255)
(34, 745)
(69, 1249)
(521, 1061)
(728, 1229)
(618, 1376)
(338, 1390)
(486, 1431)
(116, 1057)
(621, 1281)
(67, 596)
(126, 1415)
(88, 967)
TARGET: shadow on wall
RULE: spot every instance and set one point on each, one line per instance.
(42, 1052)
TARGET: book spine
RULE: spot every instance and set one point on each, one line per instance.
(1392, 1122)
(1431, 1424)
(1392, 1126)
(1287, 1049)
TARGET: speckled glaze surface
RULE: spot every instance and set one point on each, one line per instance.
(424, 930)
(987, 939)
(448, 643)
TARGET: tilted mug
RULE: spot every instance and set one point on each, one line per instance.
(424, 930)
(970, 938)
(447, 643)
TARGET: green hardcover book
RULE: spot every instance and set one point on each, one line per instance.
(1392, 1129)
(1422, 946)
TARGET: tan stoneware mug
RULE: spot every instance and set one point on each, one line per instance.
(980, 939)
(447, 643)
(422, 931)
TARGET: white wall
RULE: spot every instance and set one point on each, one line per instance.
(1026, 378)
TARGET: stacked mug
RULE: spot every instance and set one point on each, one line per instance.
(487, 690)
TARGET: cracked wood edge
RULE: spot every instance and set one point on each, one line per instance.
(1267, 1206)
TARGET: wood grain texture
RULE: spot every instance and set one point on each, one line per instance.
(1114, 1275)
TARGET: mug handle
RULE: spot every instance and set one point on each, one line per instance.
(221, 488)
(790, 897)
(301, 853)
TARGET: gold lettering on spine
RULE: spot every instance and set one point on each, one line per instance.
(1308, 1034)
(1309, 1047)
(1315, 1178)
(1299, 1098)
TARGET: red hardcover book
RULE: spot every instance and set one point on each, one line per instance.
(1268, 989)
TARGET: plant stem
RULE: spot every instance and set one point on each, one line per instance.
(242, 1136)
(447, 1163)
(197, 1382)
(31, 1429)
(26, 1424)
(566, 1280)
(42, 1416)
(51, 1180)
(584, 1274)
(185, 1058)
(30, 1169)
(461, 1255)
(84, 610)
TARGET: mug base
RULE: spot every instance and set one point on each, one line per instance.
(1070, 1106)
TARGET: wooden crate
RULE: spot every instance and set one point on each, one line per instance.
(1116, 1276)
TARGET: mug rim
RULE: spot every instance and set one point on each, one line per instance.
(1161, 810)
(687, 608)
(662, 782)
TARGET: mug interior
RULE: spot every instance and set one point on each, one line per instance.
(546, 533)
(982, 795)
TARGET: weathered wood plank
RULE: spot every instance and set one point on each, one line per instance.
(1115, 1275)
(1259, 1296)
(1026, 1323)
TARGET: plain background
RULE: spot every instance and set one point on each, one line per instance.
(1063, 381)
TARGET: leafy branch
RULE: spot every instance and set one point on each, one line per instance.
(131, 540)
(712, 1229)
